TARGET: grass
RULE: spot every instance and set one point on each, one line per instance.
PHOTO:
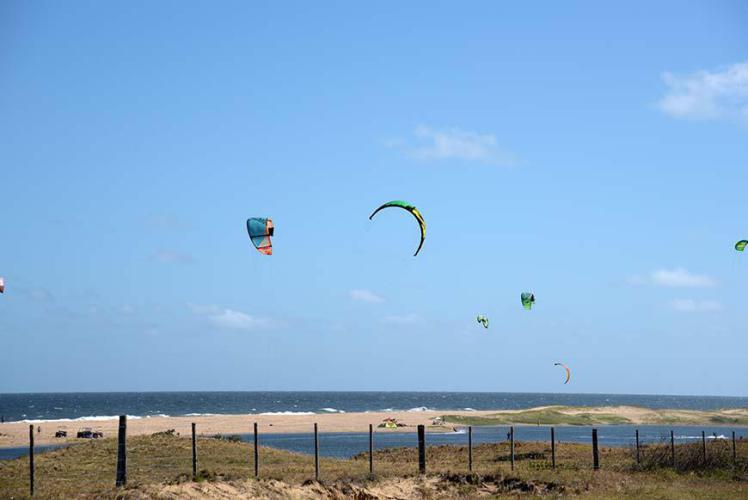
(567, 415)
(88, 470)
(547, 416)
(722, 420)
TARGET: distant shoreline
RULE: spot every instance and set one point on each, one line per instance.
(15, 434)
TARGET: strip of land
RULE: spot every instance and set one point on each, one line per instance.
(13, 434)
(603, 415)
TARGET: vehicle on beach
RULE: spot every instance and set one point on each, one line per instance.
(61, 433)
(390, 423)
(88, 433)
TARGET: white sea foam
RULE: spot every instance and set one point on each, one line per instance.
(420, 408)
(79, 419)
(200, 414)
(331, 410)
(287, 413)
(469, 409)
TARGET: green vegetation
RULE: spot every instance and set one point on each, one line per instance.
(569, 415)
(723, 420)
(547, 416)
(160, 465)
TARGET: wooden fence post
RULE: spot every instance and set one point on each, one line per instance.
(672, 448)
(553, 447)
(194, 453)
(31, 459)
(257, 454)
(595, 451)
(703, 447)
(371, 449)
(511, 445)
(470, 448)
(316, 453)
(638, 460)
(734, 451)
(122, 452)
(422, 449)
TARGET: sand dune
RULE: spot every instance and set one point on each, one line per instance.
(16, 433)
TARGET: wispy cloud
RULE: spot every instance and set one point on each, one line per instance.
(455, 144)
(171, 256)
(404, 319)
(691, 305)
(127, 310)
(37, 294)
(163, 221)
(707, 95)
(677, 277)
(362, 295)
(230, 319)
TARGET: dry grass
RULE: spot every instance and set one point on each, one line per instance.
(160, 465)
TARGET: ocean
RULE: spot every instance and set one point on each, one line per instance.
(80, 407)
(108, 405)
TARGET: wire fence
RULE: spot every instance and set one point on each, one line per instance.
(169, 458)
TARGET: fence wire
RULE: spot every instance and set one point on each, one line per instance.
(167, 458)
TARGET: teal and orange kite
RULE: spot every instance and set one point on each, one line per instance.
(260, 230)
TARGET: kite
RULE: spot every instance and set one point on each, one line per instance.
(413, 210)
(260, 231)
(740, 245)
(528, 299)
(483, 320)
(568, 373)
(2, 285)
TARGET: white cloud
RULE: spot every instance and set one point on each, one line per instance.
(127, 310)
(681, 278)
(677, 277)
(405, 319)
(163, 221)
(457, 144)
(230, 319)
(39, 294)
(170, 256)
(706, 95)
(691, 305)
(365, 296)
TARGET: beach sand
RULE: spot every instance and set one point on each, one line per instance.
(16, 434)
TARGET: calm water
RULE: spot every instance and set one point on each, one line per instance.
(348, 444)
(15, 407)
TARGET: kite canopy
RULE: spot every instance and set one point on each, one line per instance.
(483, 320)
(528, 299)
(413, 210)
(740, 245)
(568, 373)
(260, 230)
(2, 285)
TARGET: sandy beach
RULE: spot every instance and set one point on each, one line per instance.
(17, 433)
(13, 434)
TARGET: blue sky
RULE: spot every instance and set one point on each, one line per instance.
(594, 154)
